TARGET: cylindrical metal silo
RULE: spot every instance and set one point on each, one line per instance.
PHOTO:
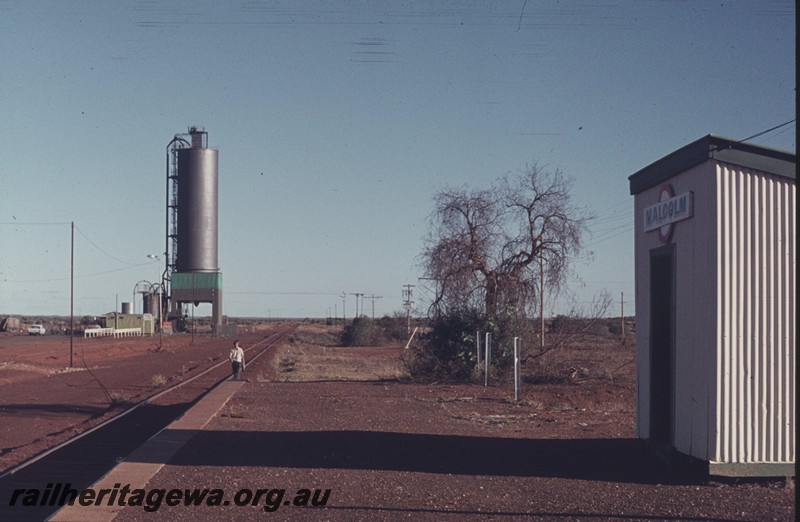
(151, 303)
(126, 308)
(198, 168)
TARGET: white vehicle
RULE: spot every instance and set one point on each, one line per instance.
(36, 329)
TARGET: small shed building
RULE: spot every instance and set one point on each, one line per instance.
(715, 305)
(120, 321)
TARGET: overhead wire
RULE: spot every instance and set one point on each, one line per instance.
(100, 249)
(621, 224)
(768, 130)
(94, 244)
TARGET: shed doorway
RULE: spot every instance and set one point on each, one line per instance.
(662, 344)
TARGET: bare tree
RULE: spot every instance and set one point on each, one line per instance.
(484, 247)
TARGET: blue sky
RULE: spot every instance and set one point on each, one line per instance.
(337, 122)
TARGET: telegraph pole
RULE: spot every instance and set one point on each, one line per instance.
(408, 303)
(373, 297)
(541, 296)
(357, 294)
(71, 290)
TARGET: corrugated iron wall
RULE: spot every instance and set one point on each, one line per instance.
(756, 390)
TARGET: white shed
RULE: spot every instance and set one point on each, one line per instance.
(715, 305)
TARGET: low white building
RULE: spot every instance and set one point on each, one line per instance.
(715, 305)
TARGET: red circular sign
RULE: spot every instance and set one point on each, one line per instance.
(665, 232)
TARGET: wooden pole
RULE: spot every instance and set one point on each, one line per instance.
(487, 358)
(71, 290)
(517, 379)
(541, 298)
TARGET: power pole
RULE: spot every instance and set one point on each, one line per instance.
(373, 297)
(541, 296)
(358, 294)
(71, 290)
(408, 303)
(622, 313)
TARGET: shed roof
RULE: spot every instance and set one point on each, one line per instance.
(758, 157)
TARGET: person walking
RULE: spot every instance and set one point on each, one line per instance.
(237, 360)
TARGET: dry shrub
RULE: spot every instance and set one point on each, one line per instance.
(552, 367)
(361, 332)
(118, 399)
(287, 363)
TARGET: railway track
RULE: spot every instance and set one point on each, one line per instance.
(84, 458)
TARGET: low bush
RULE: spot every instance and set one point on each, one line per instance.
(449, 350)
(394, 328)
(361, 332)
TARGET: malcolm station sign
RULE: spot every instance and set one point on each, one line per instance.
(669, 209)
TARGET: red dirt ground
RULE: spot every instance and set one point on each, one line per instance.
(44, 401)
(318, 416)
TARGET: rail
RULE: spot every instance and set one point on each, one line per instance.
(271, 339)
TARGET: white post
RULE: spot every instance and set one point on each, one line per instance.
(411, 338)
(516, 369)
(487, 359)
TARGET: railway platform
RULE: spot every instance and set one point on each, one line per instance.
(149, 458)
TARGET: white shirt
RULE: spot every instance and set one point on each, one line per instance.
(237, 355)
